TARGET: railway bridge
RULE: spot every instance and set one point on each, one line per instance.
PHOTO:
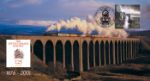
(81, 53)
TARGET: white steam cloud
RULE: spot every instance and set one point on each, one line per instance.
(84, 27)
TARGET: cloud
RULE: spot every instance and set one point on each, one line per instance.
(34, 1)
(82, 5)
(60, 9)
(20, 3)
(35, 22)
(50, 9)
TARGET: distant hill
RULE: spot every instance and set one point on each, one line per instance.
(144, 36)
(140, 33)
(14, 29)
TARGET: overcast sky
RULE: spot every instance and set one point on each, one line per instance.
(63, 9)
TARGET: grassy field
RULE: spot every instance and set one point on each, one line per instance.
(134, 70)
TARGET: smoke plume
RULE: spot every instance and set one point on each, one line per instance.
(78, 26)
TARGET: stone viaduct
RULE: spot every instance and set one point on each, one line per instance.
(81, 53)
